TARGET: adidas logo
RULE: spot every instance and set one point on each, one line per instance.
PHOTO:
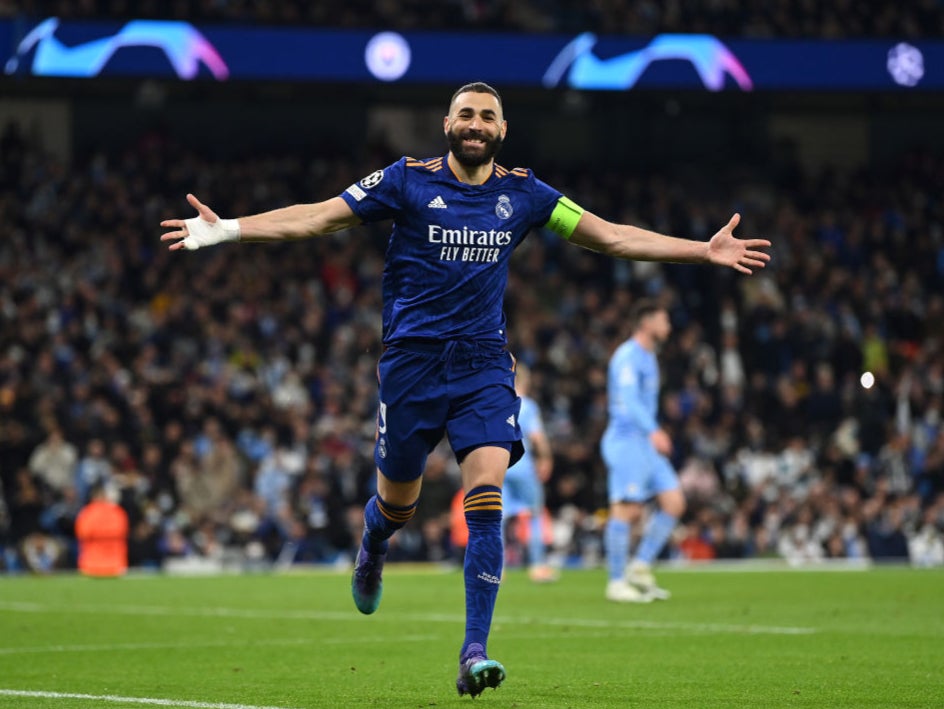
(510, 420)
(437, 203)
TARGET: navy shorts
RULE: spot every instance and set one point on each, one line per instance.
(465, 390)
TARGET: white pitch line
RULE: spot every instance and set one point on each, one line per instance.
(246, 613)
(260, 614)
(130, 700)
(370, 641)
(660, 625)
(122, 647)
(114, 647)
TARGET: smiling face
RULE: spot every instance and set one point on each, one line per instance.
(475, 128)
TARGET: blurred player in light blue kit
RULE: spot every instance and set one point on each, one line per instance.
(445, 368)
(635, 450)
(524, 481)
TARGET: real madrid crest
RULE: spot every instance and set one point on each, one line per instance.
(504, 209)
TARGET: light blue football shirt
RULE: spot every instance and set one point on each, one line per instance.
(529, 419)
(633, 390)
(446, 266)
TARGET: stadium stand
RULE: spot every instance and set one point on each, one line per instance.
(783, 18)
(228, 400)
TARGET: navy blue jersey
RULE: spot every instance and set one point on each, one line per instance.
(446, 265)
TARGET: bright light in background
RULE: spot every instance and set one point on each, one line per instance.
(905, 64)
(387, 56)
(867, 380)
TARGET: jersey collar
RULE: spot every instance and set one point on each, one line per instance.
(455, 177)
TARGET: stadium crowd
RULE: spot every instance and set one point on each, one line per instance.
(227, 397)
(780, 18)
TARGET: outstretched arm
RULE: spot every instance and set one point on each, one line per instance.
(296, 222)
(629, 242)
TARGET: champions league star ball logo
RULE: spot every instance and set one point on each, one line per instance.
(372, 180)
(504, 209)
(905, 64)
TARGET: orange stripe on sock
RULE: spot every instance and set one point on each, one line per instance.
(482, 504)
(396, 515)
(482, 496)
(486, 501)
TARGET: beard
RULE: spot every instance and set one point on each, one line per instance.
(473, 158)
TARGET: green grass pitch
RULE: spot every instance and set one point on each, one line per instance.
(726, 639)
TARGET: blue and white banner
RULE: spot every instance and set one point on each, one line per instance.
(170, 49)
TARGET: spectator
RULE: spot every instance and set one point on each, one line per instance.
(321, 533)
(93, 469)
(36, 550)
(101, 529)
(926, 546)
(53, 462)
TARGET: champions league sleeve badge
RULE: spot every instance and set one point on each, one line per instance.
(503, 208)
(372, 180)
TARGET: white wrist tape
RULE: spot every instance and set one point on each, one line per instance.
(203, 233)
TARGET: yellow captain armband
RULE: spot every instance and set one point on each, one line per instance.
(564, 218)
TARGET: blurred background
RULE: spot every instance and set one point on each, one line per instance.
(226, 398)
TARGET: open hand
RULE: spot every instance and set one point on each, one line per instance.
(205, 229)
(742, 255)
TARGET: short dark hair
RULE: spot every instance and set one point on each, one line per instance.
(643, 308)
(477, 87)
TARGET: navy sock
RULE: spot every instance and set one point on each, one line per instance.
(483, 561)
(381, 520)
